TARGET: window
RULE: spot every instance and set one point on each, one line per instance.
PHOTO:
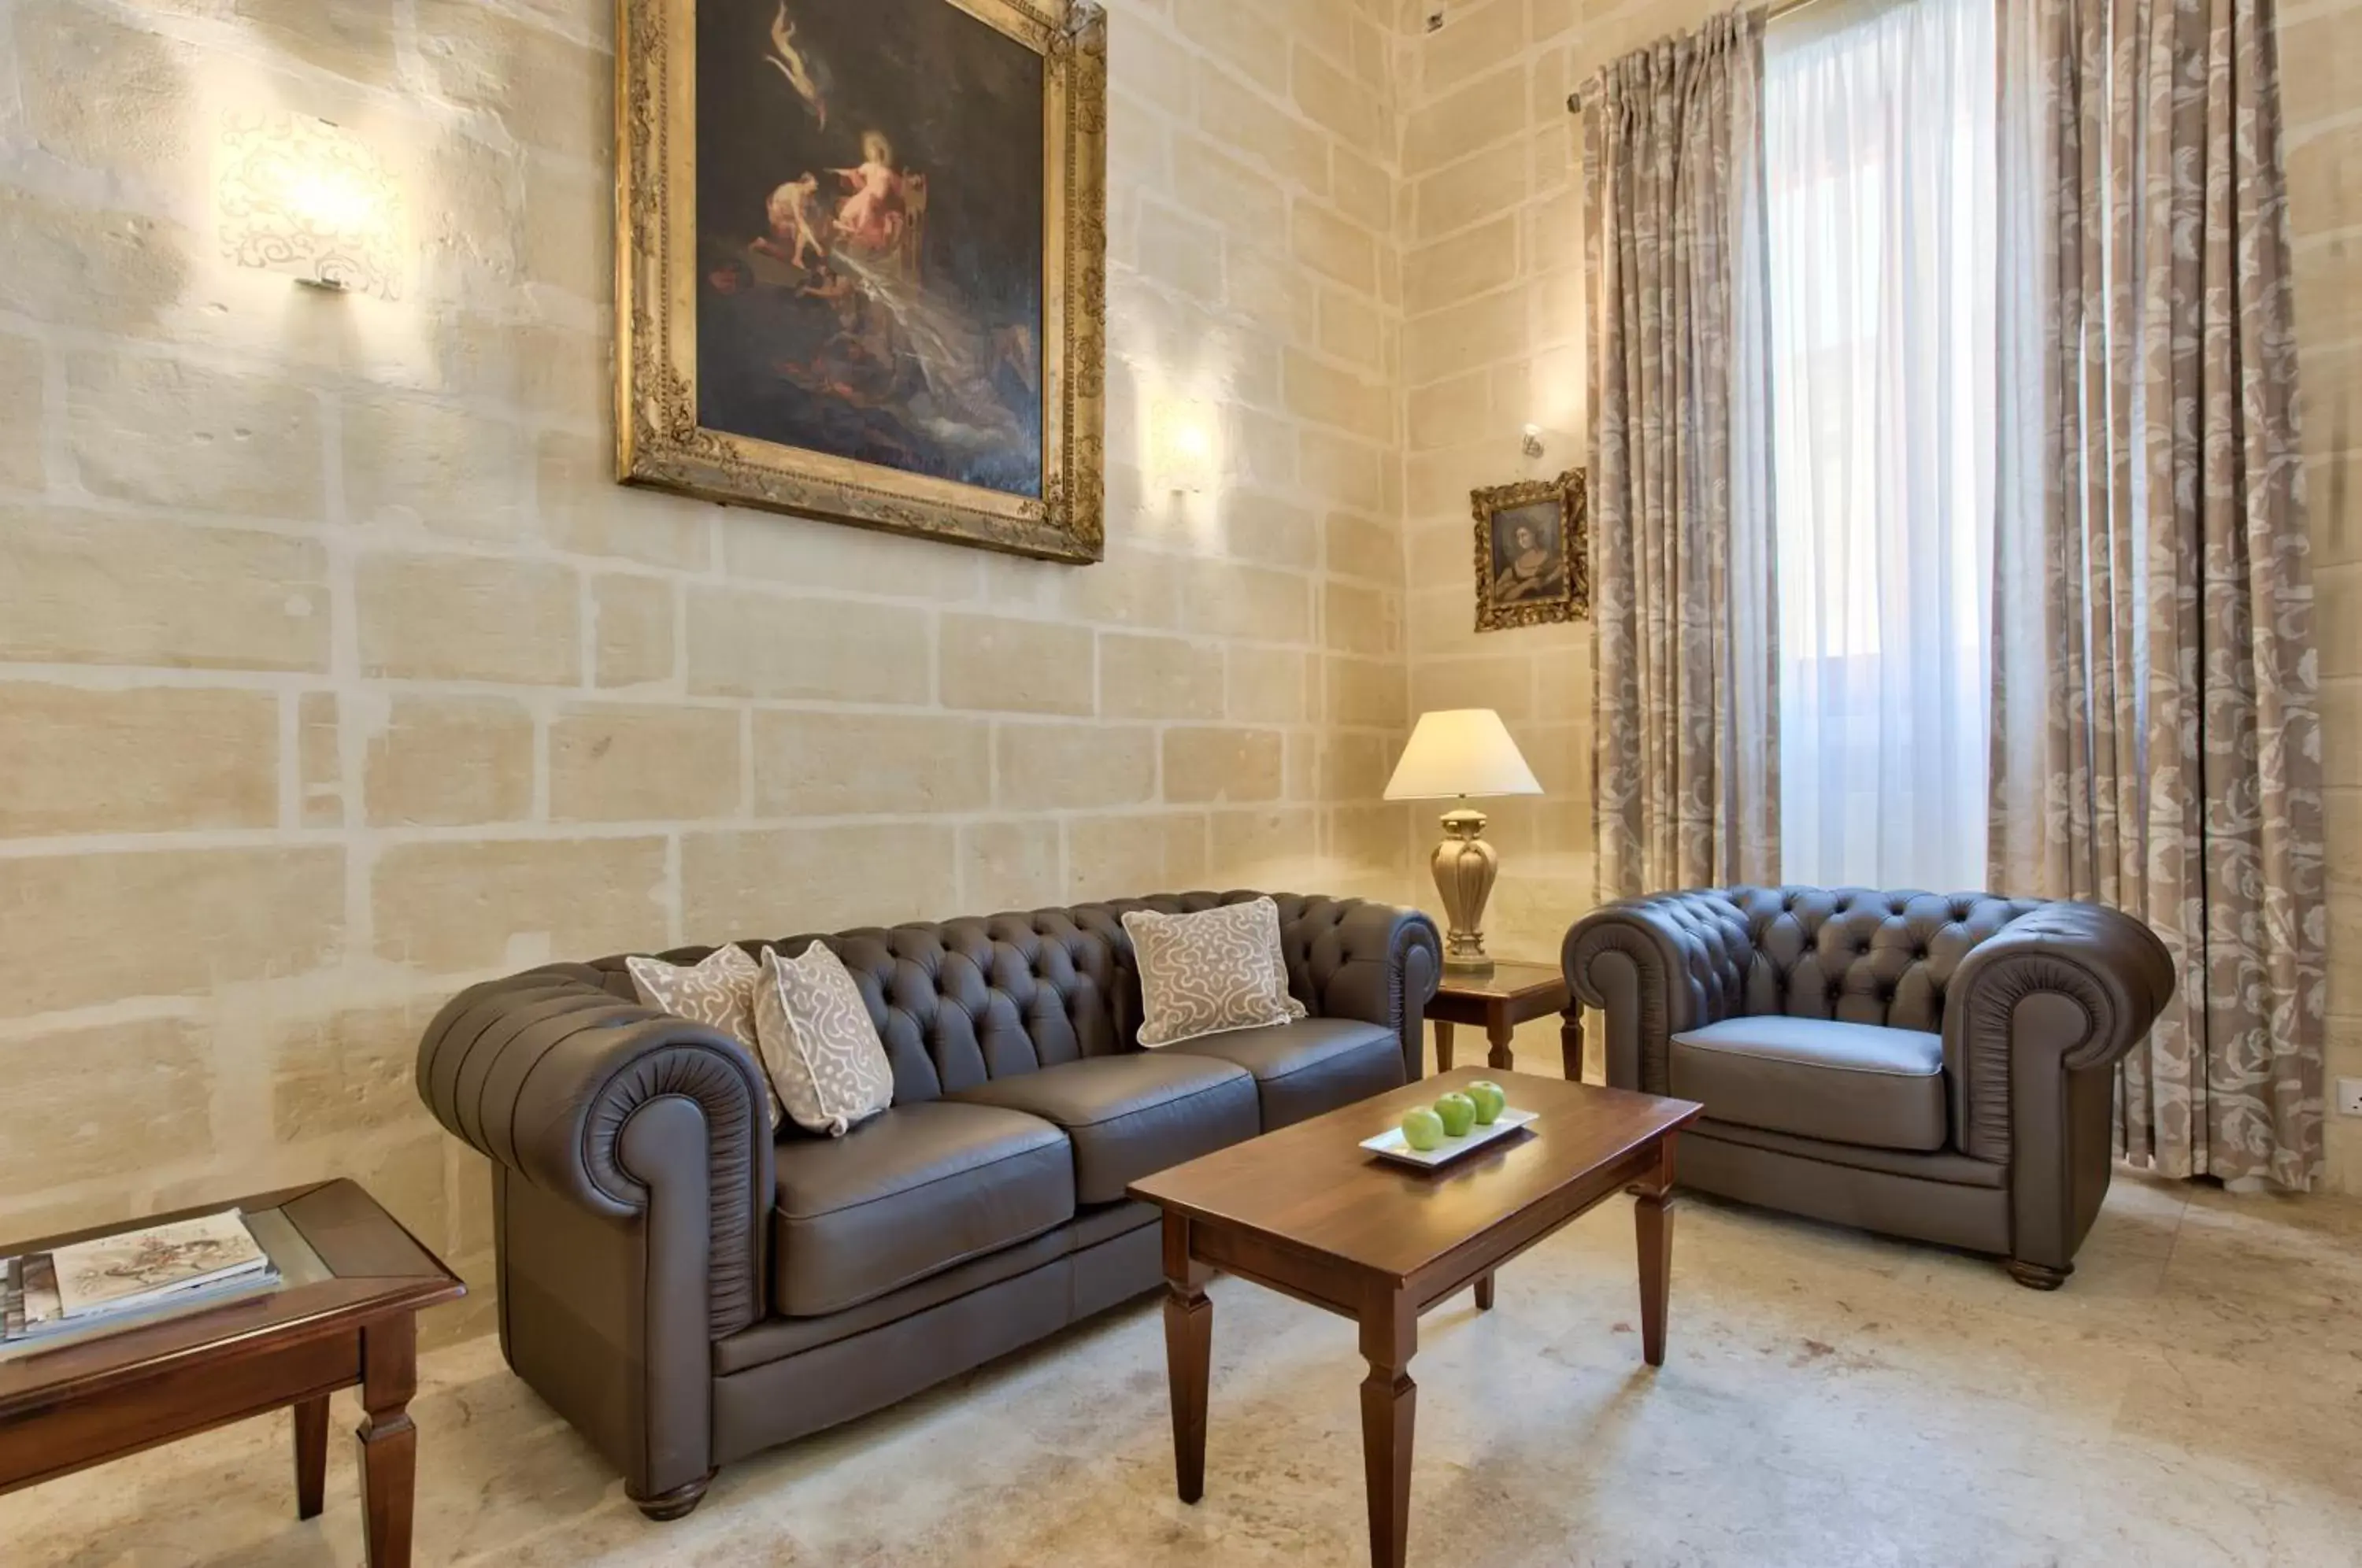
(1880, 124)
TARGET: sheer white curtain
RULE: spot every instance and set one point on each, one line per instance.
(1879, 123)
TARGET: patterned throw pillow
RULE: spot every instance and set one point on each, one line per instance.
(718, 993)
(823, 1050)
(1211, 972)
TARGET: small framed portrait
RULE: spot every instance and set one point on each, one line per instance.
(1533, 552)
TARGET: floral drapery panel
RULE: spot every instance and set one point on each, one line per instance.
(1686, 666)
(2156, 736)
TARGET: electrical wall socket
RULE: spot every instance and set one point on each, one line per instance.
(2350, 1097)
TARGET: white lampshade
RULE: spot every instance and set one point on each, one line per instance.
(1461, 751)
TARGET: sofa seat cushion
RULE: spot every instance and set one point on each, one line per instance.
(1304, 1068)
(1130, 1115)
(908, 1194)
(1850, 1083)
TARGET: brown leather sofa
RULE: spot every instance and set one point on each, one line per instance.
(686, 1290)
(1934, 1066)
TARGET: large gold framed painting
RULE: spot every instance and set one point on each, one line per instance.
(862, 251)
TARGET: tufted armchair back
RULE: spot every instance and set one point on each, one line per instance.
(965, 1000)
(1846, 954)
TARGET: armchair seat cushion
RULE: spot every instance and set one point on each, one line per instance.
(1849, 1083)
(1131, 1115)
(907, 1195)
(1304, 1068)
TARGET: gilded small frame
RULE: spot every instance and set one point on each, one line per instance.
(990, 431)
(1533, 552)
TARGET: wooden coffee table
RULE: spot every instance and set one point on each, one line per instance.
(1308, 1213)
(346, 1314)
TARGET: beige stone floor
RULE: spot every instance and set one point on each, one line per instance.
(2193, 1396)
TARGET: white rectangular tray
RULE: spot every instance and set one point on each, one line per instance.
(1391, 1144)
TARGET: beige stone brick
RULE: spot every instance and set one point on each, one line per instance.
(1474, 189)
(1363, 192)
(1214, 184)
(1048, 768)
(1470, 41)
(455, 908)
(1237, 116)
(632, 634)
(833, 765)
(1361, 619)
(1205, 766)
(1181, 251)
(1133, 856)
(105, 97)
(149, 759)
(586, 512)
(1270, 685)
(1159, 677)
(1333, 247)
(1272, 847)
(1241, 33)
(569, 238)
(1364, 547)
(774, 883)
(83, 588)
(1348, 469)
(80, 1101)
(544, 89)
(815, 555)
(1354, 329)
(1366, 693)
(1503, 682)
(756, 645)
(87, 267)
(414, 463)
(85, 929)
(172, 434)
(1258, 602)
(1472, 262)
(1264, 529)
(347, 1072)
(1375, 840)
(611, 762)
(1320, 392)
(1356, 115)
(450, 762)
(21, 465)
(319, 760)
(1010, 865)
(1490, 109)
(353, 38)
(995, 663)
(1355, 767)
(465, 618)
(1463, 336)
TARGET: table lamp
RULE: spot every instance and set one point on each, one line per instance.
(1457, 756)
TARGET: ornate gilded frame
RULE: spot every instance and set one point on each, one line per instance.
(1571, 493)
(658, 441)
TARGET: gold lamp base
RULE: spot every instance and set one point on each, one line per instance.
(1465, 866)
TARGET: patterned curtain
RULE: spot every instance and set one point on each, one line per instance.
(2155, 738)
(1682, 591)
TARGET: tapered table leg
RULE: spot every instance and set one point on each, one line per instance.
(1442, 1046)
(1570, 1043)
(1189, 1356)
(1653, 1216)
(1484, 1294)
(310, 1456)
(389, 1442)
(1389, 1401)
(1502, 1034)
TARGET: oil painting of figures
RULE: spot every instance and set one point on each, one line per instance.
(870, 240)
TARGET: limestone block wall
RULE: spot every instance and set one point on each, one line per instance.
(334, 673)
(1493, 339)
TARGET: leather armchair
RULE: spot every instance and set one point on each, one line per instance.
(1933, 1067)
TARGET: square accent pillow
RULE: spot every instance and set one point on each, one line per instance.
(718, 992)
(1211, 972)
(826, 1060)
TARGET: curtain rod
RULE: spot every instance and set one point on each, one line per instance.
(1779, 9)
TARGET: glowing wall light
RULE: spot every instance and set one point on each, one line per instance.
(1184, 446)
(301, 196)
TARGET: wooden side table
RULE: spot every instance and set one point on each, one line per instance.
(346, 1314)
(1513, 993)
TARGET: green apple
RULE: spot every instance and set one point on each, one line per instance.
(1458, 1113)
(1423, 1130)
(1491, 1100)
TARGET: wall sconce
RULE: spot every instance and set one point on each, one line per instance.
(1185, 449)
(301, 196)
(1532, 444)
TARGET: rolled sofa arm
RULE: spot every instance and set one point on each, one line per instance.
(1375, 962)
(1656, 966)
(2068, 988)
(580, 1096)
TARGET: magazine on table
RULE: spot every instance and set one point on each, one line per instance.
(87, 1288)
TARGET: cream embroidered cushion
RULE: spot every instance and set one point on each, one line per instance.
(718, 993)
(1211, 972)
(823, 1051)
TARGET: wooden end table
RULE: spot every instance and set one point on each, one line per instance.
(346, 1315)
(1308, 1212)
(1497, 1000)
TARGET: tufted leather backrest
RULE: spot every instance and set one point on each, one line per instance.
(962, 1001)
(1849, 954)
